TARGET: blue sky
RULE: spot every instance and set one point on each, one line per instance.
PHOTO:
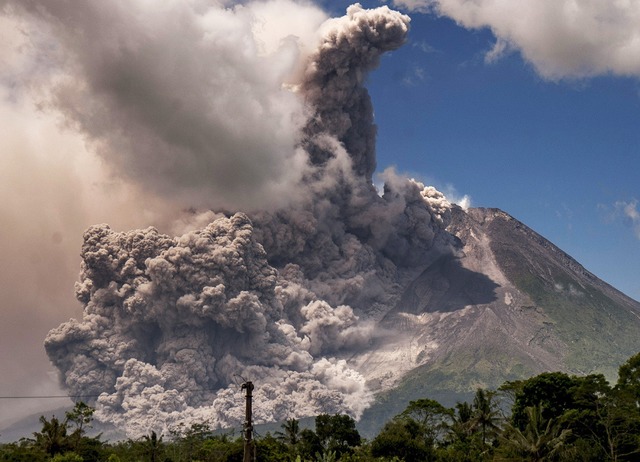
(560, 155)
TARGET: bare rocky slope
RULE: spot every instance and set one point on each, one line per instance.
(508, 305)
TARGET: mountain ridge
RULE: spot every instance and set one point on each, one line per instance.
(568, 259)
(506, 305)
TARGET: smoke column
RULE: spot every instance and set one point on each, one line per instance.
(273, 134)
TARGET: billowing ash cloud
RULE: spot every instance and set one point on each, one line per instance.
(217, 109)
(351, 46)
(561, 38)
(168, 322)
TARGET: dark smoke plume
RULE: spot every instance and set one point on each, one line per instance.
(168, 322)
(194, 103)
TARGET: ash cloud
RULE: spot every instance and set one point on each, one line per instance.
(333, 81)
(215, 109)
(166, 94)
(169, 323)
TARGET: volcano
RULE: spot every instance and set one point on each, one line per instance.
(508, 305)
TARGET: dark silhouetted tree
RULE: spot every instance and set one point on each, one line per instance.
(540, 440)
(434, 419)
(486, 416)
(337, 433)
(403, 438)
(52, 439)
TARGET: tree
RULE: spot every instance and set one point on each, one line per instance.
(24, 450)
(291, 434)
(550, 390)
(326, 456)
(403, 438)
(337, 433)
(434, 419)
(462, 426)
(152, 446)
(271, 448)
(579, 404)
(78, 419)
(508, 392)
(52, 439)
(486, 416)
(629, 377)
(68, 457)
(221, 448)
(617, 432)
(310, 444)
(540, 440)
(188, 441)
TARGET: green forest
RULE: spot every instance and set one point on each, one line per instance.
(550, 417)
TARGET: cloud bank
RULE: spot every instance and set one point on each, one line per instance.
(560, 38)
(165, 95)
(251, 142)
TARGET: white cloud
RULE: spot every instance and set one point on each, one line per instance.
(421, 6)
(560, 38)
(453, 196)
(631, 214)
(424, 46)
(500, 48)
(416, 76)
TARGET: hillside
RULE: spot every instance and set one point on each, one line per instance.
(509, 304)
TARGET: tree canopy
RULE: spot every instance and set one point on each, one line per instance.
(552, 416)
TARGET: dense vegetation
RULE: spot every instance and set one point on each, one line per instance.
(549, 417)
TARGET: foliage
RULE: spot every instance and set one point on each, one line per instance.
(337, 433)
(67, 457)
(434, 419)
(551, 390)
(271, 448)
(549, 417)
(541, 438)
(52, 439)
(404, 438)
(629, 378)
(310, 444)
(485, 416)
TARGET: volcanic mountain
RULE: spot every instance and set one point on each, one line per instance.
(508, 305)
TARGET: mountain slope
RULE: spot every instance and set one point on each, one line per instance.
(598, 324)
(507, 305)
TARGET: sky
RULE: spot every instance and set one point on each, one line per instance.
(532, 111)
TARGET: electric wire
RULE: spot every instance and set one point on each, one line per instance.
(195, 390)
(49, 396)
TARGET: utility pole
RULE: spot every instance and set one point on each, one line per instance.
(248, 426)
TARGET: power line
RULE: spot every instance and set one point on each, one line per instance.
(189, 390)
(49, 396)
